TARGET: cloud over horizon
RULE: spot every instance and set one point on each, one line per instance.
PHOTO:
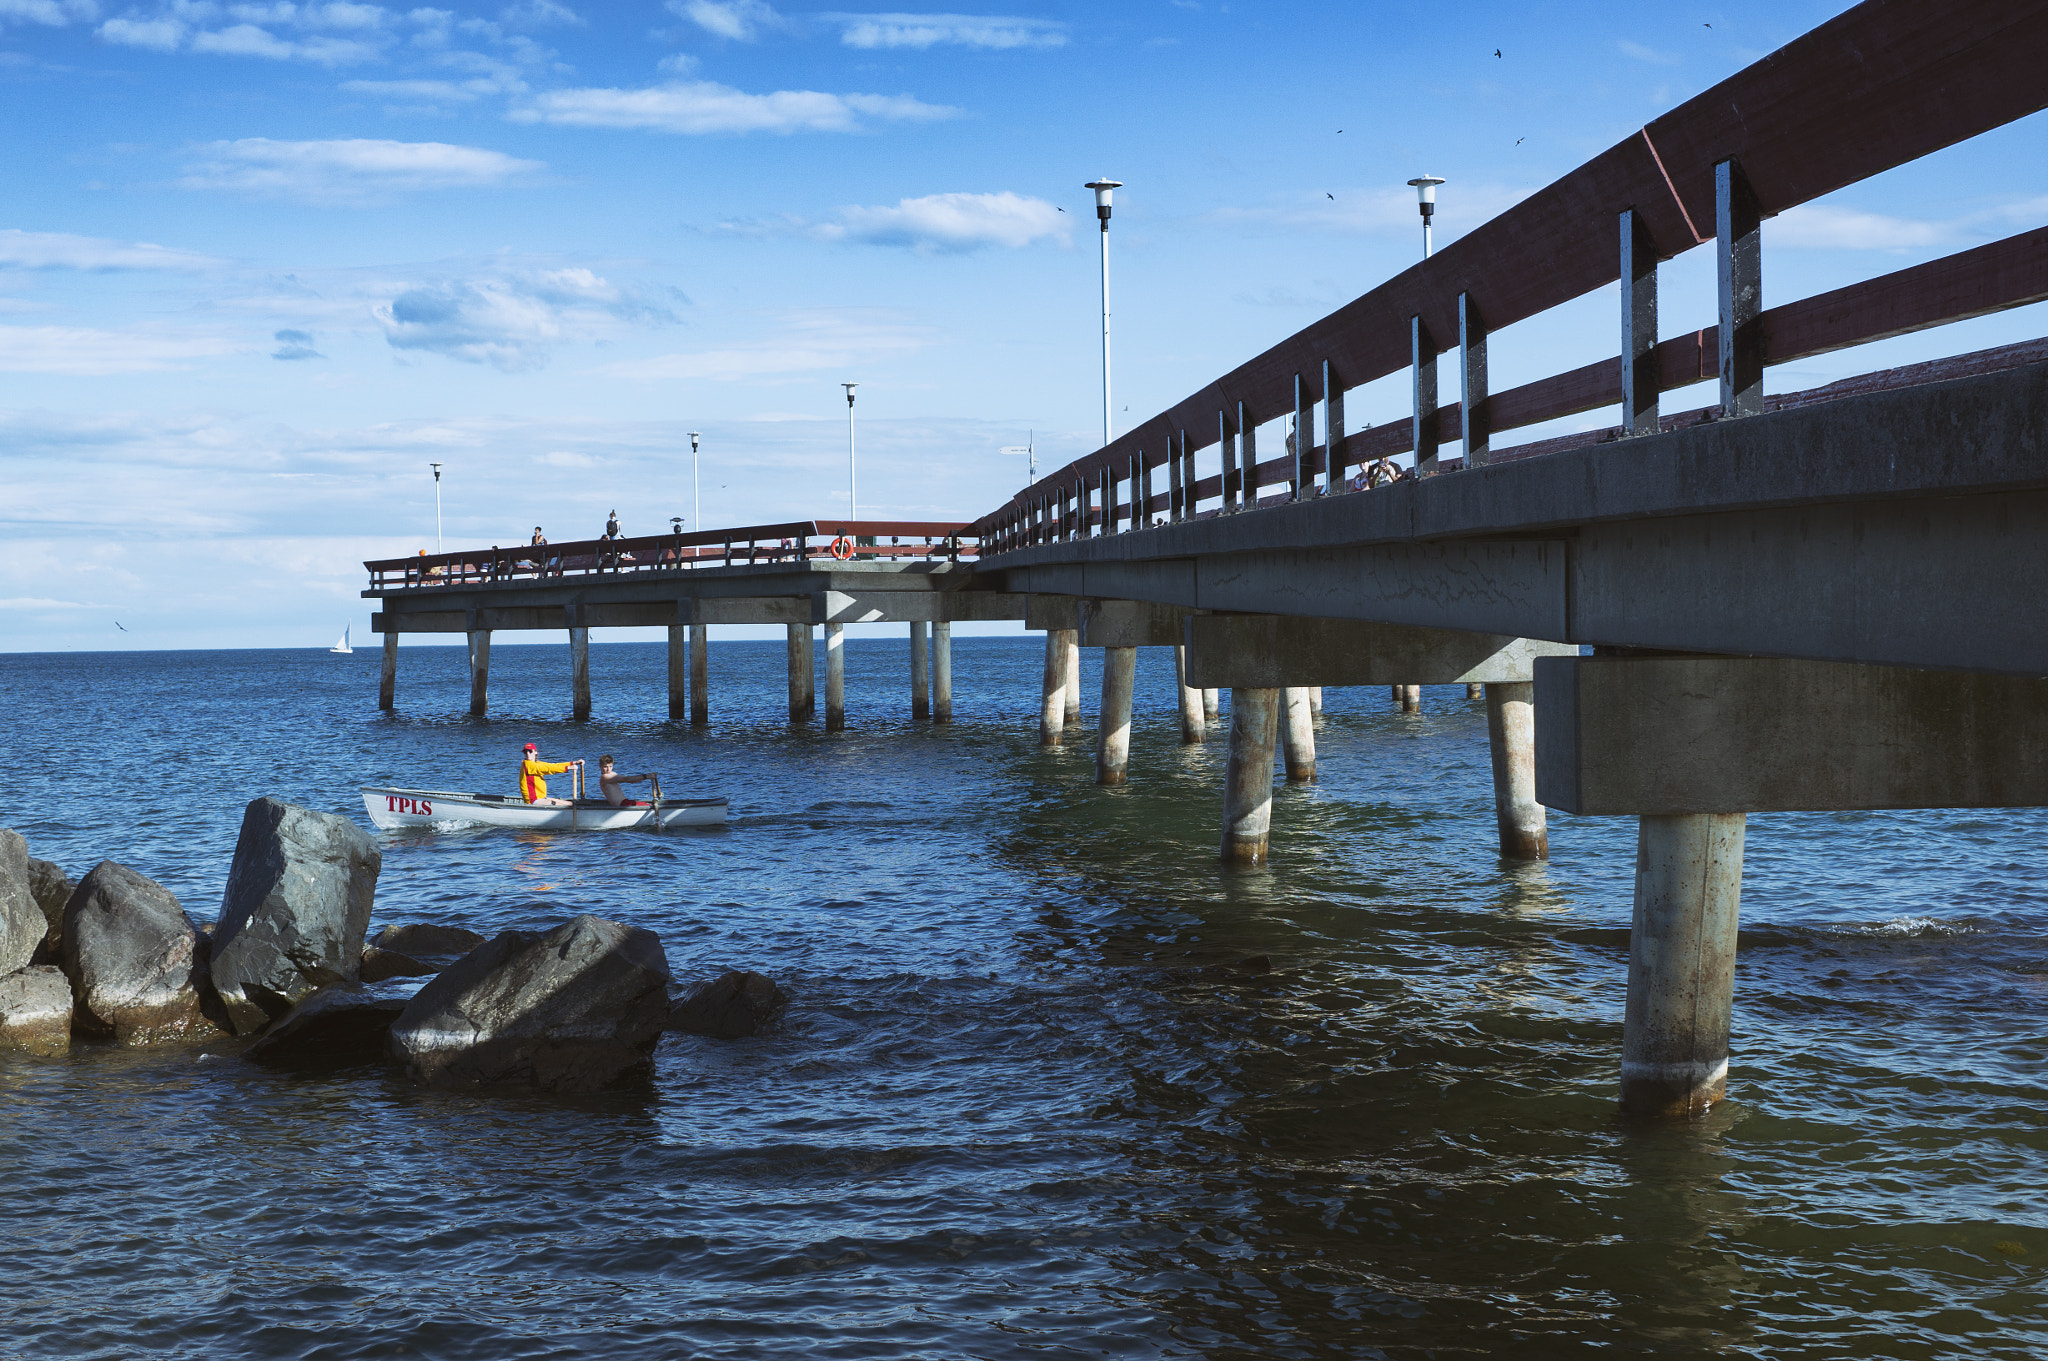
(350, 171)
(92, 254)
(921, 31)
(950, 224)
(695, 108)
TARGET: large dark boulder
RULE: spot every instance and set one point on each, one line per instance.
(568, 1010)
(336, 1027)
(51, 887)
(136, 963)
(732, 1006)
(21, 923)
(35, 1010)
(423, 940)
(381, 965)
(296, 907)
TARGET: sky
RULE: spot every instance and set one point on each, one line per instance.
(260, 264)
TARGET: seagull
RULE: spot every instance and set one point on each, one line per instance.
(1331, 197)
(1059, 209)
(117, 624)
(1496, 51)
(1518, 141)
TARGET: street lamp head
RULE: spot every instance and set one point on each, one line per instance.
(849, 391)
(693, 441)
(1425, 193)
(437, 471)
(1102, 188)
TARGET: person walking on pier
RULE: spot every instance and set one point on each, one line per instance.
(613, 784)
(533, 773)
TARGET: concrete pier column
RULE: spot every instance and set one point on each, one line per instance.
(1113, 733)
(1248, 777)
(1053, 703)
(1212, 703)
(1193, 727)
(579, 671)
(700, 675)
(1298, 734)
(920, 673)
(942, 673)
(387, 685)
(1681, 962)
(1070, 643)
(1474, 690)
(479, 670)
(835, 677)
(1511, 734)
(803, 684)
(1315, 701)
(1411, 698)
(678, 671)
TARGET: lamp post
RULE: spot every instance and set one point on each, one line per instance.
(1102, 188)
(852, 485)
(437, 505)
(1425, 197)
(696, 487)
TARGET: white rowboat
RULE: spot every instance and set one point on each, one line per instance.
(391, 808)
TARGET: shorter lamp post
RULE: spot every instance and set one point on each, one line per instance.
(1425, 196)
(852, 484)
(437, 505)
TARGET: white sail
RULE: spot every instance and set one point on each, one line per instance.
(342, 646)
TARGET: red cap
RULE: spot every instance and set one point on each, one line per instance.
(531, 747)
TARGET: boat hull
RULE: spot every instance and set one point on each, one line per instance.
(391, 809)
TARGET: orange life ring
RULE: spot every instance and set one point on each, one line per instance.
(842, 548)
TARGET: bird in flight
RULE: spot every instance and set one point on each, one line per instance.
(1331, 197)
(1518, 141)
(1062, 210)
(117, 624)
(1496, 51)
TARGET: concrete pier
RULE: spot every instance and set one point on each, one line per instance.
(1315, 700)
(1298, 735)
(1212, 704)
(1411, 698)
(1113, 734)
(579, 670)
(678, 671)
(942, 672)
(700, 675)
(1053, 691)
(803, 681)
(387, 683)
(479, 670)
(1511, 737)
(1070, 645)
(920, 673)
(835, 677)
(1193, 725)
(1475, 690)
(1248, 776)
(1681, 962)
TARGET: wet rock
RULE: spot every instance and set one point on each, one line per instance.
(35, 1010)
(136, 963)
(51, 887)
(338, 1027)
(296, 907)
(732, 1006)
(425, 941)
(568, 1010)
(379, 965)
(21, 924)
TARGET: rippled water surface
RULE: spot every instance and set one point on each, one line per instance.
(1029, 1102)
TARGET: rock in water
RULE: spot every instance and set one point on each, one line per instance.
(334, 1028)
(134, 959)
(426, 941)
(379, 965)
(35, 1010)
(297, 904)
(731, 1006)
(51, 887)
(570, 1010)
(21, 923)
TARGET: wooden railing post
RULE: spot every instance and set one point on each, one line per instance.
(1422, 351)
(1188, 499)
(1247, 458)
(1144, 515)
(1174, 508)
(1135, 518)
(1472, 378)
(1738, 248)
(1639, 368)
(1335, 465)
(1226, 440)
(1304, 440)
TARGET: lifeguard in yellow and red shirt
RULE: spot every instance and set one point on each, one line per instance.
(533, 773)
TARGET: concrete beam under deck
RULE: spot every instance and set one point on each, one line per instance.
(1272, 651)
(912, 607)
(1128, 623)
(617, 614)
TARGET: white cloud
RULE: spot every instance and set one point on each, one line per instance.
(60, 250)
(1647, 54)
(738, 20)
(695, 107)
(30, 602)
(157, 35)
(512, 322)
(803, 342)
(295, 345)
(1820, 226)
(51, 13)
(76, 351)
(539, 14)
(950, 223)
(921, 31)
(351, 170)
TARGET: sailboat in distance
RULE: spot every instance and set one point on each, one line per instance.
(342, 646)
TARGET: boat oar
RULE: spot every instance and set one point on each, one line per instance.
(657, 799)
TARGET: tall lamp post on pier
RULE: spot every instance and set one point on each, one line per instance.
(1425, 197)
(696, 487)
(852, 485)
(1102, 188)
(437, 505)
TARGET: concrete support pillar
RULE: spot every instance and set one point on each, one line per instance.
(1681, 962)
(1411, 698)
(1113, 733)
(579, 671)
(803, 682)
(700, 675)
(1474, 690)
(479, 670)
(678, 671)
(387, 685)
(1052, 706)
(942, 673)
(920, 673)
(1193, 726)
(1248, 777)
(1511, 734)
(1070, 643)
(1212, 703)
(1315, 701)
(1298, 735)
(835, 677)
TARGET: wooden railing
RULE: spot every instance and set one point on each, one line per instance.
(1883, 84)
(796, 541)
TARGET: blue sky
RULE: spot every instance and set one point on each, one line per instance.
(260, 263)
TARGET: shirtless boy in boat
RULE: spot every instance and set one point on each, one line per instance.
(613, 784)
(533, 773)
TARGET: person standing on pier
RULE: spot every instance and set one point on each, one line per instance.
(533, 773)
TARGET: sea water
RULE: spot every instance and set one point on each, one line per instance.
(1037, 1094)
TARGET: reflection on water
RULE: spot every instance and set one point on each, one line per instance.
(1054, 1083)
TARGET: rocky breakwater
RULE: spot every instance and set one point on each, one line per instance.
(136, 963)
